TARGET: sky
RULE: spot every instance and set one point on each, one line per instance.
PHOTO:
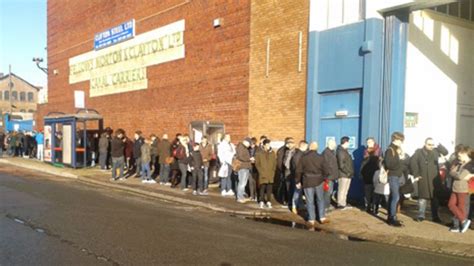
(22, 37)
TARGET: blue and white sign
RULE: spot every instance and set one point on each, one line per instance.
(115, 35)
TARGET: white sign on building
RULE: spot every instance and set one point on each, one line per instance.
(122, 67)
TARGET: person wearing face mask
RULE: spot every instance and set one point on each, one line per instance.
(424, 165)
(462, 172)
(394, 168)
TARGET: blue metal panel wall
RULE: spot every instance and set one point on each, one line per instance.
(312, 113)
(394, 75)
(373, 73)
(347, 57)
(340, 60)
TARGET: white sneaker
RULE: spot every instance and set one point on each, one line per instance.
(161, 183)
(144, 181)
(269, 205)
(261, 205)
(168, 184)
(223, 193)
(195, 193)
(151, 181)
(185, 189)
(230, 193)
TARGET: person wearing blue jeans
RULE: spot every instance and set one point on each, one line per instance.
(165, 159)
(225, 153)
(310, 175)
(207, 152)
(394, 182)
(117, 151)
(296, 199)
(243, 156)
(317, 191)
(243, 179)
(206, 177)
(394, 167)
(226, 180)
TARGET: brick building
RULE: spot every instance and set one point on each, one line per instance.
(23, 96)
(242, 63)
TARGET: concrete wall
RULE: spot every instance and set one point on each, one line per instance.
(440, 83)
(278, 88)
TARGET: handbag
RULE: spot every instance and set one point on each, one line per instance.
(223, 171)
(236, 164)
(383, 175)
(408, 187)
(470, 185)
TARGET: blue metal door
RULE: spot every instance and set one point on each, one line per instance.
(340, 116)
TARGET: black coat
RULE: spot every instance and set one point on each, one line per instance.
(295, 160)
(392, 161)
(196, 159)
(331, 160)
(344, 163)
(312, 170)
(424, 164)
(118, 147)
(137, 146)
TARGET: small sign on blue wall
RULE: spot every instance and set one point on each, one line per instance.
(115, 35)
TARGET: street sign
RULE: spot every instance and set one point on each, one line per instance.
(115, 35)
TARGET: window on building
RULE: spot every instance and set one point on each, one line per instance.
(14, 95)
(23, 110)
(22, 96)
(31, 111)
(30, 97)
(6, 96)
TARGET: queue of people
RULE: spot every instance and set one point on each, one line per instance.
(296, 174)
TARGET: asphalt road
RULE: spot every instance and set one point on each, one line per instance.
(47, 220)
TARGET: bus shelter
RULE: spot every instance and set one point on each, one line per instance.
(68, 137)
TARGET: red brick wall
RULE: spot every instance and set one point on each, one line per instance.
(277, 101)
(210, 83)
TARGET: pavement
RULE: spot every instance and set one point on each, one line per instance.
(349, 224)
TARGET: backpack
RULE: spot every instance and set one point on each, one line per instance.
(179, 153)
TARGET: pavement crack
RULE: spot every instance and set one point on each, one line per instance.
(70, 243)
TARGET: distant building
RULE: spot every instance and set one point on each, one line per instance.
(22, 97)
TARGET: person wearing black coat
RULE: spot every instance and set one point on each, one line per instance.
(394, 168)
(137, 153)
(283, 172)
(369, 166)
(197, 169)
(310, 174)
(346, 172)
(424, 165)
(117, 154)
(329, 155)
(296, 199)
